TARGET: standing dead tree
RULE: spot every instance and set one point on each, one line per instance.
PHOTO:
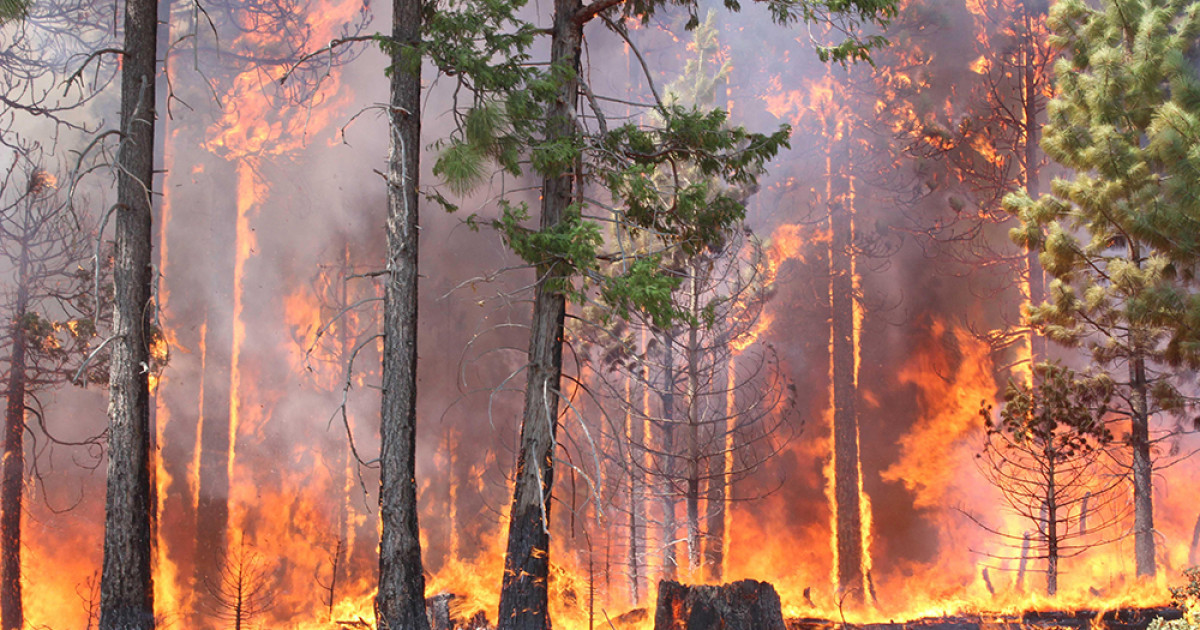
(1044, 453)
(48, 308)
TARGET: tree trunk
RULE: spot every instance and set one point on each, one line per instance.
(670, 564)
(743, 605)
(127, 585)
(1051, 527)
(847, 499)
(12, 614)
(523, 592)
(400, 601)
(718, 476)
(693, 434)
(1032, 97)
(637, 482)
(212, 478)
(1139, 438)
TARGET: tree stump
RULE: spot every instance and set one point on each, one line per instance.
(438, 610)
(744, 605)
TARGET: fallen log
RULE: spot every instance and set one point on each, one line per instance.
(744, 605)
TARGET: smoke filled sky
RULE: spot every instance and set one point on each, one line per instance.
(270, 225)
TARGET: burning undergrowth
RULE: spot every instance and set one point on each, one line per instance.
(882, 331)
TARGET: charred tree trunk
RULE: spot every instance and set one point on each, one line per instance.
(212, 495)
(693, 428)
(127, 585)
(847, 499)
(12, 614)
(400, 601)
(523, 592)
(743, 605)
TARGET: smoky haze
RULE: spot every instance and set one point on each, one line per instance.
(271, 199)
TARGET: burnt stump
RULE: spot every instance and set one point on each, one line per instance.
(743, 605)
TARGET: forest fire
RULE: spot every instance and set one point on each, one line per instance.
(807, 417)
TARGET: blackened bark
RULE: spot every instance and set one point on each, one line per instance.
(212, 495)
(847, 499)
(12, 614)
(523, 592)
(400, 602)
(742, 605)
(127, 585)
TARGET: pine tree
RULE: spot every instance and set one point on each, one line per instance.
(127, 583)
(1043, 453)
(401, 598)
(1123, 117)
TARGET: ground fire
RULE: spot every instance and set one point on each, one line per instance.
(619, 314)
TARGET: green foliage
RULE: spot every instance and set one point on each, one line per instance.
(1043, 452)
(676, 179)
(1059, 418)
(461, 166)
(701, 158)
(643, 287)
(1186, 597)
(561, 252)
(1120, 237)
(13, 10)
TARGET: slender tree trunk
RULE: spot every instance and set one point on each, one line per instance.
(212, 478)
(523, 592)
(1139, 443)
(637, 511)
(693, 434)
(12, 614)
(340, 466)
(127, 585)
(847, 500)
(400, 601)
(670, 563)
(1143, 500)
(718, 476)
(1051, 526)
(1031, 102)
